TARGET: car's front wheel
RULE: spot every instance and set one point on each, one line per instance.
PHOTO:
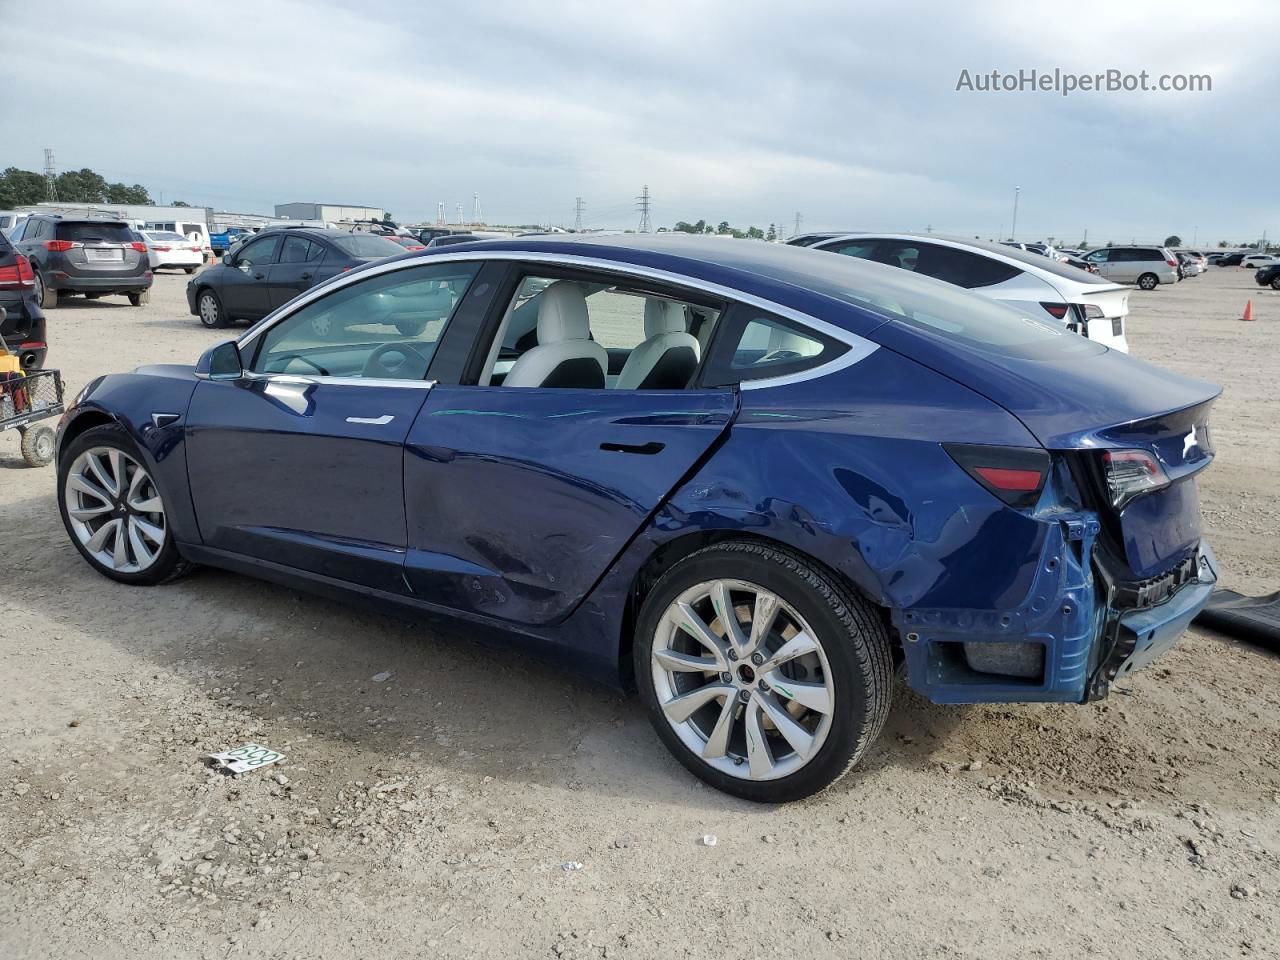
(209, 307)
(114, 511)
(765, 675)
(1148, 281)
(1275, 282)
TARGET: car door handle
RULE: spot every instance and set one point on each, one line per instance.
(259, 276)
(648, 449)
(306, 276)
(381, 421)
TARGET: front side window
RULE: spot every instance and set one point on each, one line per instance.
(385, 327)
(259, 253)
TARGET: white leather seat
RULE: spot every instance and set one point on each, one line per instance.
(565, 355)
(667, 357)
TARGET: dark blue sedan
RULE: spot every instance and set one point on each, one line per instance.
(750, 480)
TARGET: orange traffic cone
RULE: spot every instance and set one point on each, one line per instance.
(1248, 311)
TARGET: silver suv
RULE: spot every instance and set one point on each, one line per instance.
(1148, 267)
(95, 257)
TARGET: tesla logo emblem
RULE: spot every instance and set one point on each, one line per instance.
(1188, 442)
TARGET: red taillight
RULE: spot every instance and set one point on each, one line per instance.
(1172, 263)
(161, 249)
(1056, 310)
(19, 276)
(1015, 475)
(1131, 473)
(141, 247)
(418, 247)
(60, 246)
(1005, 478)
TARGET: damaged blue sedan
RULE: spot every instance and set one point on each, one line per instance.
(750, 481)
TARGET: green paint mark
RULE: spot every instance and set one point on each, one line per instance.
(784, 691)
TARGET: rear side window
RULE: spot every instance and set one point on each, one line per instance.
(963, 268)
(91, 231)
(755, 345)
(300, 250)
(366, 246)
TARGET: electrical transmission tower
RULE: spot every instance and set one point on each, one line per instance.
(642, 204)
(577, 214)
(439, 213)
(799, 220)
(459, 214)
(50, 175)
(475, 208)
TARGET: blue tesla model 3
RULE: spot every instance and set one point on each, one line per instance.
(751, 481)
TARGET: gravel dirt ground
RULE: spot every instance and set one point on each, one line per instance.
(476, 804)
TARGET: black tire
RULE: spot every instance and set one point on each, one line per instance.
(209, 310)
(38, 446)
(1275, 283)
(140, 298)
(853, 637)
(169, 564)
(46, 296)
(1148, 281)
(189, 270)
(411, 328)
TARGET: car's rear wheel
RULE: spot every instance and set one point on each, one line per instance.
(189, 270)
(114, 511)
(209, 307)
(45, 295)
(766, 676)
(140, 298)
(1148, 281)
(1275, 283)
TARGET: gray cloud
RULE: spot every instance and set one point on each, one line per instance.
(740, 111)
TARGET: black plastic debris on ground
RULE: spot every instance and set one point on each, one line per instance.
(1256, 619)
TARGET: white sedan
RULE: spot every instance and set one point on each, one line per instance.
(168, 249)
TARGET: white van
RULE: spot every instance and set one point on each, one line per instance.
(186, 228)
(10, 219)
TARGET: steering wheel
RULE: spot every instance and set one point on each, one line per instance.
(395, 361)
(288, 358)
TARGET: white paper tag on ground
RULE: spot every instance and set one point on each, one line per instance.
(243, 759)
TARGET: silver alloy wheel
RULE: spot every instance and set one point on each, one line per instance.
(208, 309)
(115, 509)
(39, 289)
(743, 680)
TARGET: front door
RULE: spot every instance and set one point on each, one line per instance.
(300, 461)
(244, 289)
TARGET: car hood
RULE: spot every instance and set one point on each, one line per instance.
(1073, 400)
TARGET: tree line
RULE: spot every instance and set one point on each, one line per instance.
(723, 229)
(20, 188)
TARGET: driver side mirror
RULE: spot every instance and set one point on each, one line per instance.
(220, 362)
(228, 259)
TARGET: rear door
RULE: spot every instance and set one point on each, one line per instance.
(519, 499)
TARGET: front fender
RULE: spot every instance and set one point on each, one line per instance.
(129, 400)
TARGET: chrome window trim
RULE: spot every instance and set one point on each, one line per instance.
(295, 380)
(859, 347)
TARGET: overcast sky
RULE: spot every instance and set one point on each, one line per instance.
(747, 112)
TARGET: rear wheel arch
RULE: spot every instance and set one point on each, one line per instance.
(666, 556)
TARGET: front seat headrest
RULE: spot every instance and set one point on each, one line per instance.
(562, 313)
(663, 316)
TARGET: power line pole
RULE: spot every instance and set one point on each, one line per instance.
(1013, 231)
(643, 205)
(439, 213)
(475, 208)
(50, 175)
(459, 214)
(578, 206)
(799, 220)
